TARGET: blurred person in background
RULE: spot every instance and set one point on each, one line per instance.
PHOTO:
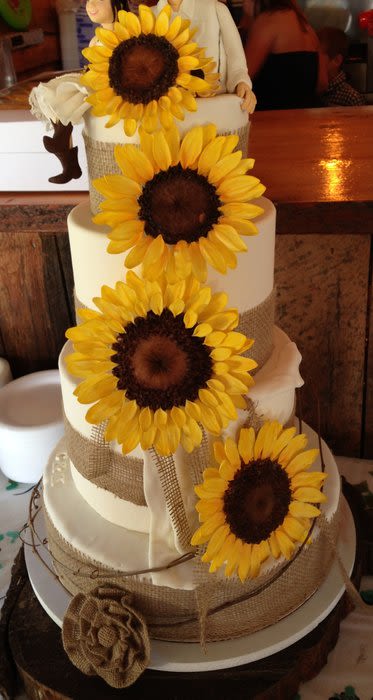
(283, 55)
(334, 46)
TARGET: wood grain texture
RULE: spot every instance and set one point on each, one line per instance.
(367, 442)
(322, 284)
(35, 288)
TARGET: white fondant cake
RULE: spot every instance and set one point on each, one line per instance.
(149, 519)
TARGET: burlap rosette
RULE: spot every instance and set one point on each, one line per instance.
(104, 636)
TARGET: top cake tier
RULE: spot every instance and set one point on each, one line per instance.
(222, 110)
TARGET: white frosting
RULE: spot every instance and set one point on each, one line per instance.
(126, 550)
(272, 394)
(247, 286)
(223, 110)
(110, 506)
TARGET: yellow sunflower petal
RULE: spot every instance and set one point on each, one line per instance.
(309, 494)
(216, 541)
(302, 461)
(147, 19)
(300, 509)
(191, 146)
(205, 531)
(293, 528)
(284, 542)
(315, 479)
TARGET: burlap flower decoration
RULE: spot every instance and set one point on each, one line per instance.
(103, 635)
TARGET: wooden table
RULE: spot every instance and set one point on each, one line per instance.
(318, 168)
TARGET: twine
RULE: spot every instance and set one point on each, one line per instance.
(101, 161)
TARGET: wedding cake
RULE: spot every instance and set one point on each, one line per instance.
(186, 502)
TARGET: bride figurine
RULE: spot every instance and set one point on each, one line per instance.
(218, 34)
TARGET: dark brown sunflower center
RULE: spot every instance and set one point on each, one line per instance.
(180, 204)
(257, 500)
(159, 363)
(143, 68)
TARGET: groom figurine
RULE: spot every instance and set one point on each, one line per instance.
(219, 36)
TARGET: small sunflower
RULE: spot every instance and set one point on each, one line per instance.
(259, 501)
(180, 204)
(147, 70)
(158, 361)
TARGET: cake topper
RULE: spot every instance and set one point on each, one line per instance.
(218, 34)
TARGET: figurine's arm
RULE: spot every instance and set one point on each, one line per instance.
(238, 79)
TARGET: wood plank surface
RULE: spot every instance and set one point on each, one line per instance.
(35, 288)
(322, 295)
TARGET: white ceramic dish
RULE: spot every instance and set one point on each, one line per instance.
(31, 423)
(189, 657)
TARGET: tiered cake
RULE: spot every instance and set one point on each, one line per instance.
(190, 506)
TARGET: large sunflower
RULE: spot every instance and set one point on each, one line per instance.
(259, 501)
(147, 70)
(180, 204)
(158, 361)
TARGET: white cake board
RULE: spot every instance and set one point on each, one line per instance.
(189, 657)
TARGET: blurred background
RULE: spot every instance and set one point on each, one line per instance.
(48, 35)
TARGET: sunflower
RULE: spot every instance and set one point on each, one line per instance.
(259, 501)
(147, 70)
(159, 361)
(180, 204)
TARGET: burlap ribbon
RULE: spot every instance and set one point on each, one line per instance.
(96, 461)
(101, 161)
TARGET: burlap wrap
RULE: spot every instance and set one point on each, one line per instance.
(101, 161)
(227, 607)
(99, 463)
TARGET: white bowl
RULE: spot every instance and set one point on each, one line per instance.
(31, 423)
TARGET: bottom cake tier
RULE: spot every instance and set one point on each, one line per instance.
(88, 551)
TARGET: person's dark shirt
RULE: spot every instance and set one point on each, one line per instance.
(288, 81)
